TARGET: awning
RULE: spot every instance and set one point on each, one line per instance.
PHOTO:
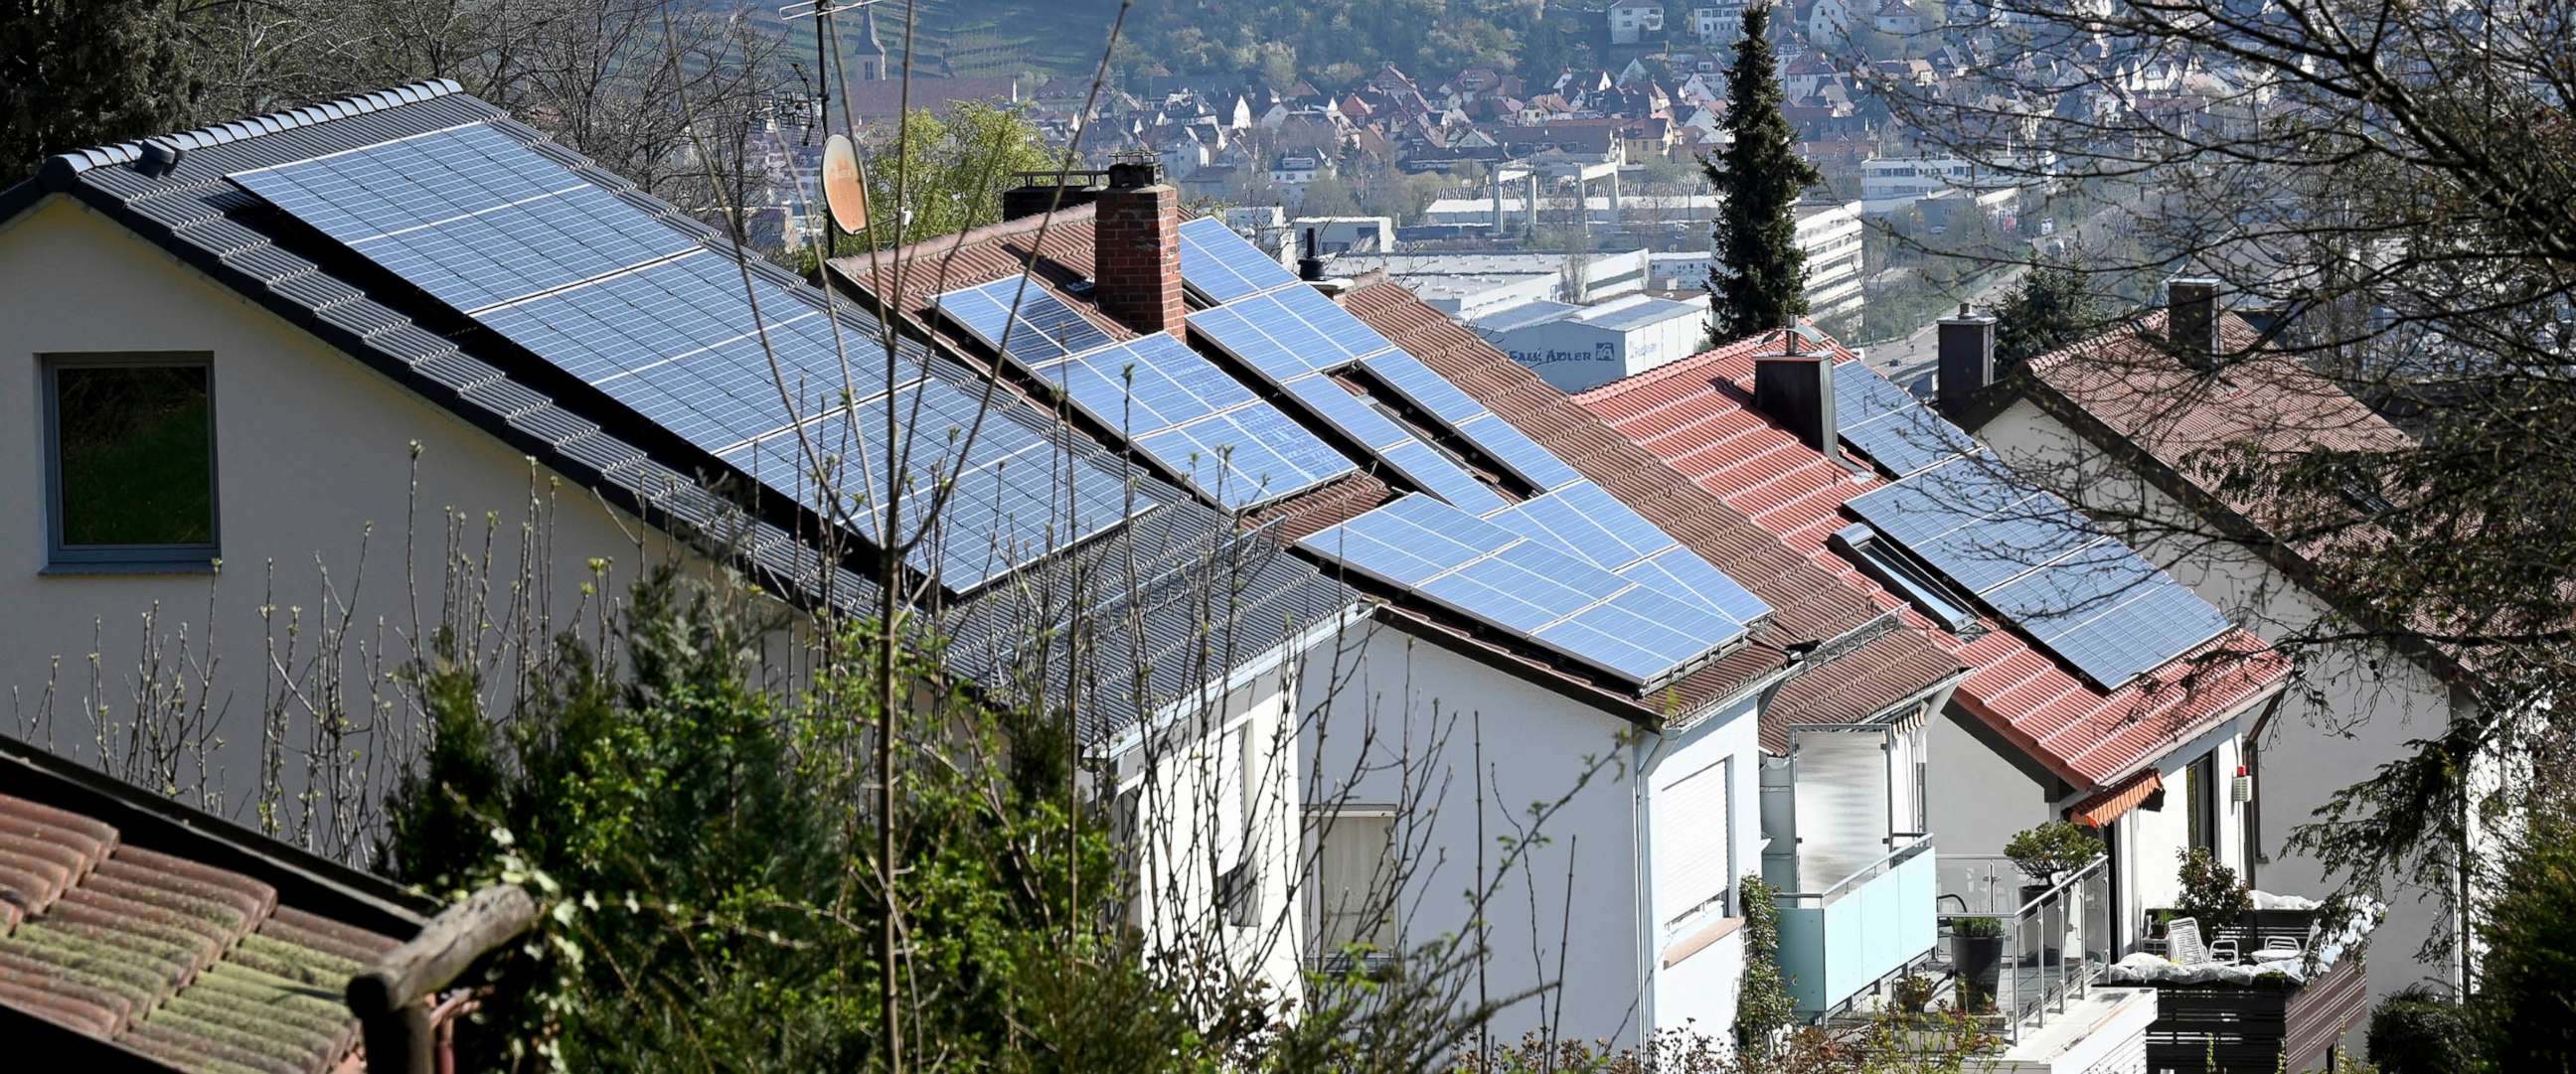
(2101, 809)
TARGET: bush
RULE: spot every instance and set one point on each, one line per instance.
(2053, 849)
(2526, 1007)
(1980, 928)
(2419, 1031)
(2211, 893)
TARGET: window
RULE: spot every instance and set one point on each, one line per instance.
(1896, 571)
(1354, 870)
(2200, 795)
(130, 461)
(1693, 842)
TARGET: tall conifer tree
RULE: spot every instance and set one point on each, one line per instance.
(77, 73)
(1761, 275)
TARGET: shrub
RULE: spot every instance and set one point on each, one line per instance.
(2419, 1031)
(2526, 1009)
(2211, 893)
(1980, 928)
(1913, 992)
(2053, 849)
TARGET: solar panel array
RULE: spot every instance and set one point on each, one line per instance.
(1194, 419)
(1572, 569)
(1221, 267)
(2043, 566)
(1294, 337)
(1889, 425)
(1584, 520)
(1616, 625)
(1037, 326)
(666, 327)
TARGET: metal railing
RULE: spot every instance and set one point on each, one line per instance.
(1915, 845)
(2047, 943)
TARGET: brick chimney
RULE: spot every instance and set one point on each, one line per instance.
(1797, 390)
(1967, 362)
(2191, 318)
(1137, 270)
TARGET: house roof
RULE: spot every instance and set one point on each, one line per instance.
(1874, 668)
(2129, 387)
(198, 214)
(1697, 415)
(138, 934)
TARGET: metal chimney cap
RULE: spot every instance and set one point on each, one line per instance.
(159, 157)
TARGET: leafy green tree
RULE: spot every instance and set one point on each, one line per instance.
(1328, 195)
(77, 73)
(947, 171)
(1760, 176)
(2050, 309)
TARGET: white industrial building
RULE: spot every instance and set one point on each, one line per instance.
(1580, 347)
(1470, 285)
(1829, 233)
(1336, 235)
(1888, 184)
(1597, 209)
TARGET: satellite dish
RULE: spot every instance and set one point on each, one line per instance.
(844, 192)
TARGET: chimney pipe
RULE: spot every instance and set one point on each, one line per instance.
(1136, 259)
(1310, 268)
(1967, 362)
(1797, 390)
(2191, 318)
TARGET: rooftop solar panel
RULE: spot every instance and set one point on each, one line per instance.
(2042, 566)
(1555, 600)
(1890, 426)
(1043, 329)
(1220, 265)
(1430, 470)
(1199, 423)
(1681, 574)
(1424, 388)
(1355, 417)
(666, 328)
(1509, 446)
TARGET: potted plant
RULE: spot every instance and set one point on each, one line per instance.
(2210, 892)
(1977, 952)
(2046, 855)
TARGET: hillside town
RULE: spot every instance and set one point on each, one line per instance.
(1807, 537)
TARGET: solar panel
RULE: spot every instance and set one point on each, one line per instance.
(669, 329)
(1220, 265)
(1555, 600)
(1509, 446)
(467, 214)
(1424, 388)
(1046, 328)
(1885, 423)
(1681, 574)
(1199, 423)
(1430, 470)
(1584, 520)
(1355, 417)
(2043, 566)
(1289, 333)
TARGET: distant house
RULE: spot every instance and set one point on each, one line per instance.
(1633, 21)
(1718, 23)
(1898, 18)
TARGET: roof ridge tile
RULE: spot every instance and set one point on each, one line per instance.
(84, 159)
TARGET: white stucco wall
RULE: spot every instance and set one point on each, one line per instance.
(312, 471)
(1390, 720)
(2354, 707)
(1200, 808)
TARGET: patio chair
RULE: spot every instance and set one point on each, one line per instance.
(2182, 941)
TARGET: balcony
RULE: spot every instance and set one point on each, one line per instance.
(2023, 955)
(1836, 942)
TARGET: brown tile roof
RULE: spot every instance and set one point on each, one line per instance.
(1696, 414)
(1856, 684)
(116, 926)
(2262, 402)
(1809, 605)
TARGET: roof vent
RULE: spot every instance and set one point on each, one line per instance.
(158, 159)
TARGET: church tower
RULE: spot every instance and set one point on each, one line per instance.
(871, 58)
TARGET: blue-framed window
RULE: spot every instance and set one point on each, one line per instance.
(129, 462)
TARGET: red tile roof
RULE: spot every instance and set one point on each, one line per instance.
(1887, 668)
(115, 927)
(1696, 414)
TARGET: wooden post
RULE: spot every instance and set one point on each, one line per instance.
(392, 1000)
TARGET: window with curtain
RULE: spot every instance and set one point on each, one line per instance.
(1354, 864)
(1692, 840)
